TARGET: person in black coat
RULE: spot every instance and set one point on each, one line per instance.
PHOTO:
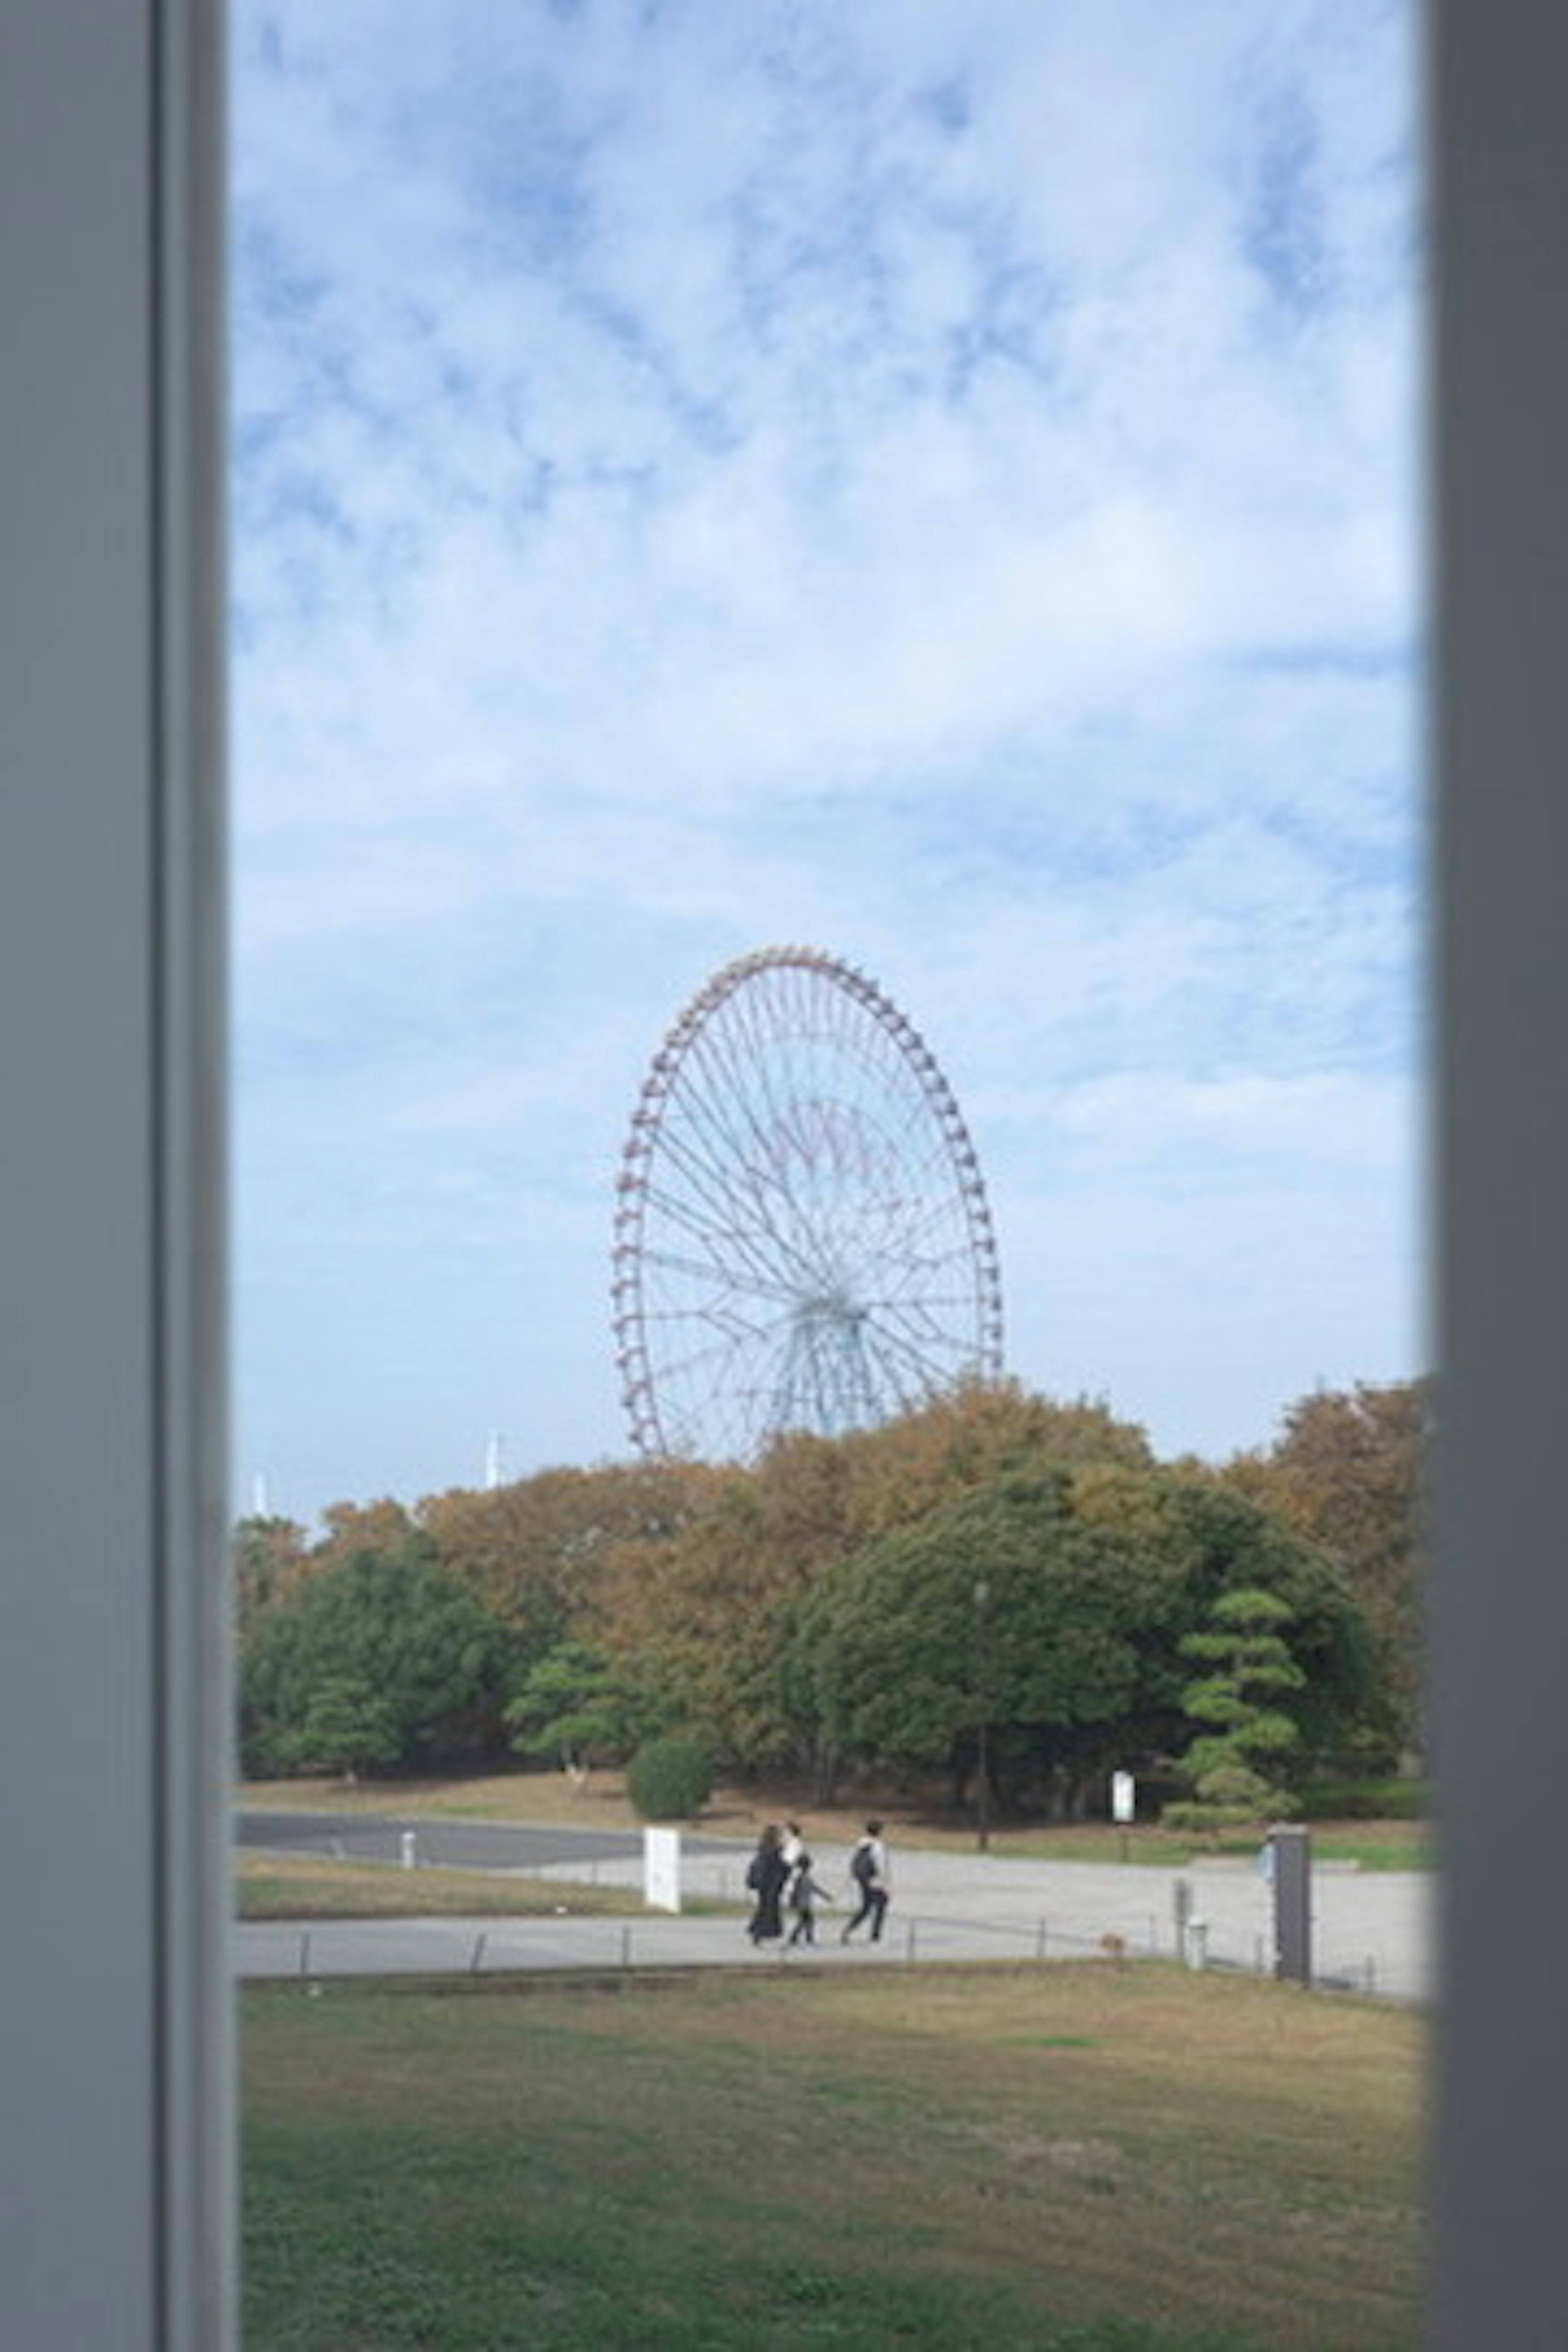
(765, 1877)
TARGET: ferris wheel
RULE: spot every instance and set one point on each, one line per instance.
(802, 1239)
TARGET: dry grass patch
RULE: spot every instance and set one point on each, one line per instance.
(313, 1886)
(942, 2158)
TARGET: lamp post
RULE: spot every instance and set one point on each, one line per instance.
(983, 1760)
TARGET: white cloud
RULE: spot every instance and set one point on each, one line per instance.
(938, 483)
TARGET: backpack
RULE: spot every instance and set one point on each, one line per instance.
(863, 1863)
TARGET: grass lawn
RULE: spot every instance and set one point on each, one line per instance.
(310, 1886)
(1105, 2158)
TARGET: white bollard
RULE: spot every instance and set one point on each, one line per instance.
(408, 1849)
(662, 1869)
(1197, 1939)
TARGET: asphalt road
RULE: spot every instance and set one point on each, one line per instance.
(452, 1844)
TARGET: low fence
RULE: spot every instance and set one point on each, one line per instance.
(599, 1946)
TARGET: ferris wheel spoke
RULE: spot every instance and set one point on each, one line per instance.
(843, 1384)
(709, 1366)
(732, 1180)
(721, 1109)
(726, 1280)
(732, 1077)
(728, 1254)
(896, 1341)
(746, 1186)
(723, 1191)
(707, 1153)
(768, 1255)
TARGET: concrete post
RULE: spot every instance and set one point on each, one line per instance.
(1291, 1848)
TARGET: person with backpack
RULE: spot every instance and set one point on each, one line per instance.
(868, 1870)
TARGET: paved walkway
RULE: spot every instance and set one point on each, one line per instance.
(1372, 1931)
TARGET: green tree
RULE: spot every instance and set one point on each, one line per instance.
(903, 1659)
(346, 1727)
(1092, 1575)
(1236, 1543)
(1234, 1766)
(395, 1623)
(705, 1621)
(573, 1704)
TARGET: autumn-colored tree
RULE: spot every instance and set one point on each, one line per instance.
(380, 1526)
(967, 1437)
(1349, 1470)
(269, 1555)
(820, 1605)
(705, 1619)
(539, 1552)
(701, 1628)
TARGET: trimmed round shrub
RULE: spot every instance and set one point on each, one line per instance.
(669, 1780)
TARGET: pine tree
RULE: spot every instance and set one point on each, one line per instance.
(1234, 1766)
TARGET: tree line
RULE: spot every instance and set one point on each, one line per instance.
(995, 1576)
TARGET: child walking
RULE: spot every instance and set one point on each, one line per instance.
(805, 1893)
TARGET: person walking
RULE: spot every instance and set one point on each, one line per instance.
(765, 1876)
(873, 1882)
(804, 1895)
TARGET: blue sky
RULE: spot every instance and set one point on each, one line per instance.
(937, 479)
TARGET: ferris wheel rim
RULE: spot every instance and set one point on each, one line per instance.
(905, 1333)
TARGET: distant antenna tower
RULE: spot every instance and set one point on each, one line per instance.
(260, 1502)
(493, 1461)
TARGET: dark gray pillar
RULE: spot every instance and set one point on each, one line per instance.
(1290, 1873)
(1499, 1596)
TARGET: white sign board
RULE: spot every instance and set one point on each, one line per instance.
(1122, 1797)
(662, 1869)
